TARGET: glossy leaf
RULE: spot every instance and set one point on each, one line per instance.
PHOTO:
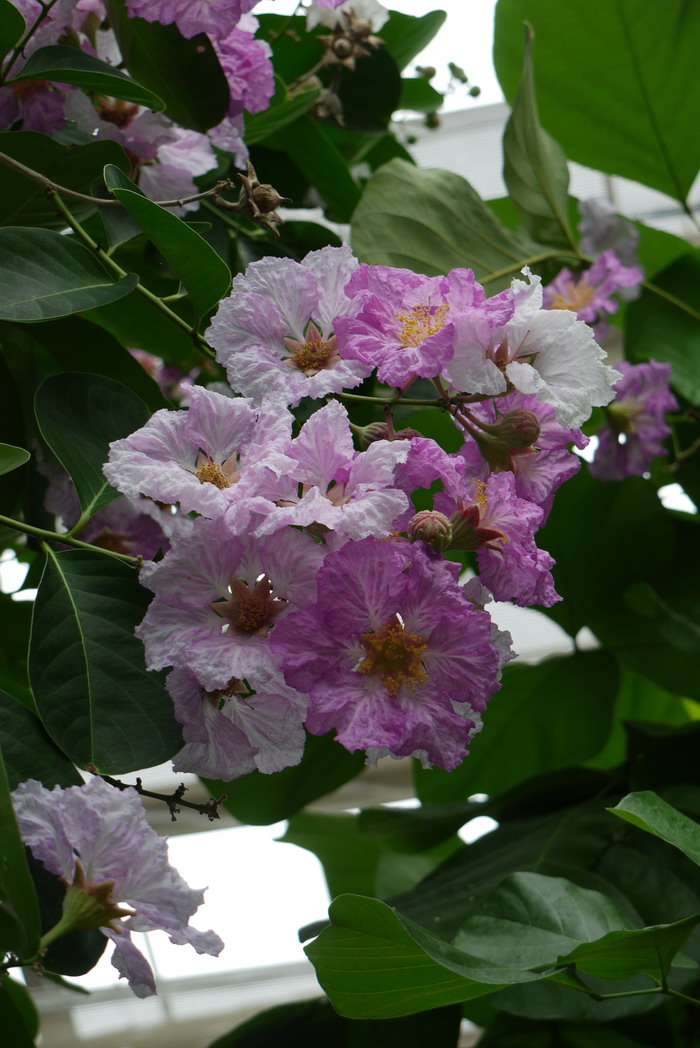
(186, 74)
(205, 275)
(420, 96)
(87, 669)
(405, 36)
(135, 323)
(12, 458)
(534, 165)
(70, 65)
(650, 812)
(262, 799)
(431, 222)
(24, 202)
(28, 751)
(621, 954)
(12, 26)
(79, 415)
(374, 964)
(44, 275)
(311, 149)
(19, 914)
(616, 83)
(545, 717)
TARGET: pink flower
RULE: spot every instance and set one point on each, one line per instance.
(216, 17)
(97, 837)
(587, 294)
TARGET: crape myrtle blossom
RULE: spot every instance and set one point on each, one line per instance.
(232, 731)
(215, 17)
(602, 229)
(402, 321)
(546, 352)
(221, 450)
(219, 596)
(635, 423)
(392, 654)
(98, 841)
(275, 333)
(588, 294)
(351, 493)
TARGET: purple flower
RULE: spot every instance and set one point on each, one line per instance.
(602, 229)
(635, 426)
(96, 839)
(247, 65)
(275, 333)
(218, 597)
(587, 294)
(231, 731)
(392, 654)
(216, 17)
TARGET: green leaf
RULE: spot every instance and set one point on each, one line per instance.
(534, 165)
(309, 146)
(18, 1015)
(650, 812)
(79, 415)
(545, 717)
(205, 275)
(263, 799)
(12, 458)
(186, 74)
(431, 222)
(530, 920)
(136, 324)
(24, 202)
(349, 859)
(44, 275)
(663, 325)
(637, 114)
(370, 94)
(420, 96)
(87, 669)
(70, 65)
(375, 964)
(28, 751)
(621, 954)
(405, 36)
(282, 110)
(19, 914)
(12, 26)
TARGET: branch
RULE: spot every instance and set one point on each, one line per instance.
(67, 540)
(210, 808)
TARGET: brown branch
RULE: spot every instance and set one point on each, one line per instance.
(210, 808)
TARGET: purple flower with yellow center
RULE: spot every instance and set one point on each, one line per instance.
(97, 840)
(275, 334)
(392, 654)
(588, 294)
(635, 422)
(219, 596)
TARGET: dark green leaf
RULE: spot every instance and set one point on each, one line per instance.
(650, 812)
(545, 717)
(79, 415)
(534, 165)
(70, 65)
(665, 326)
(19, 914)
(616, 83)
(405, 36)
(431, 222)
(205, 275)
(28, 751)
(12, 458)
(18, 1015)
(44, 275)
(621, 954)
(417, 828)
(349, 859)
(12, 26)
(262, 799)
(24, 202)
(283, 109)
(87, 669)
(420, 96)
(309, 146)
(136, 324)
(186, 74)
(370, 94)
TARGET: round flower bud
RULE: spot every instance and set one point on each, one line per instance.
(367, 435)
(431, 527)
(519, 428)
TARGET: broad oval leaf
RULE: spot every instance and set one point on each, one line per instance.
(70, 65)
(431, 222)
(204, 273)
(12, 458)
(28, 751)
(647, 951)
(650, 812)
(79, 416)
(45, 275)
(12, 26)
(405, 36)
(283, 109)
(86, 667)
(19, 912)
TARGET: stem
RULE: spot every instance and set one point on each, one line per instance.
(683, 997)
(517, 266)
(46, 7)
(117, 270)
(631, 993)
(172, 800)
(66, 540)
(460, 398)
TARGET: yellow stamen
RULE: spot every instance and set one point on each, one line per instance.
(394, 655)
(575, 296)
(211, 473)
(420, 322)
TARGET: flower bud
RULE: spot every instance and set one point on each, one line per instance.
(431, 527)
(367, 435)
(517, 429)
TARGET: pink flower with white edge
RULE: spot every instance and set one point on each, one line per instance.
(234, 730)
(588, 294)
(546, 352)
(275, 333)
(392, 654)
(218, 598)
(97, 840)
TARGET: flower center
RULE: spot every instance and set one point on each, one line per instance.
(313, 355)
(250, 610)
(394, 655)
(212, 473)
(420, 322)
(117, 112)
(235, 689)
(576, 295)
